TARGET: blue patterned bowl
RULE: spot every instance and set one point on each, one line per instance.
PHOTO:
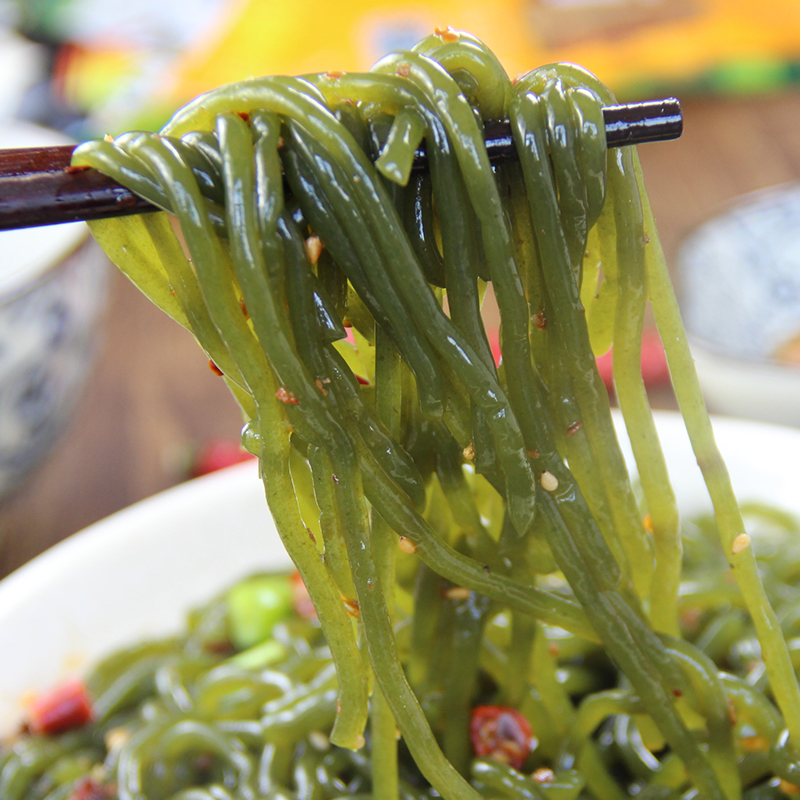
(739, 289)
(52, 291)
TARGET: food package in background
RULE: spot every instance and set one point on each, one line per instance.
(130, 64)
(639, 47)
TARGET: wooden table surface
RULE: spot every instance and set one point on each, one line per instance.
(152, 397)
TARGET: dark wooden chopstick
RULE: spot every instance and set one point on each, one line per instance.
(38, 187)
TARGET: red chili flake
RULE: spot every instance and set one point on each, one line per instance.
(574, 428)
(320, 384)
(552, 648)
(89, 789)
(244, 115)
(63, 709)
(677, 693)
(215, 369)
(243, 306)
(302, 599)
(351, 607)
(502, 734)
(540, 319)
(285, 396)
(204, 762)
(72, 168)
(334, 73)
(532, 453)
(362, 381)
(219, 647)
(446, 34)
(690, 618)
(732, 716)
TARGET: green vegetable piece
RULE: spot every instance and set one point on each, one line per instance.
(262, 655)
(254, 608)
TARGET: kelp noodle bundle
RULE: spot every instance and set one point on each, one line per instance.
(458, 524)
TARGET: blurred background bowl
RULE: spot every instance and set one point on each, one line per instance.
(52, 292)
(738, 283)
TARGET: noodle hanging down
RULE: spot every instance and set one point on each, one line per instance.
(468, 533)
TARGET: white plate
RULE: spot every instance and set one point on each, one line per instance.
(135, 574)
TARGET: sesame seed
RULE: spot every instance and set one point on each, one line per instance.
(740, 544)
(406, 545)
(544, 775)
(313, 249)
(319, 741)
(548, 481)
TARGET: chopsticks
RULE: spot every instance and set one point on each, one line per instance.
(38, 187)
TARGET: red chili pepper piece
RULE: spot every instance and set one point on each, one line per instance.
(64, 708)
(88, 789)
(654, 362)
(502, 734)
(217, 454)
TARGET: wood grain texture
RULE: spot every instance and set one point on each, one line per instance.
(151, 397)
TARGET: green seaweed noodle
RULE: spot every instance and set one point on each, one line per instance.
(468, 533)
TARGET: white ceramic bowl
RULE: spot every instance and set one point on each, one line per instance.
(52, 292)
(739, 289)
(135, 574)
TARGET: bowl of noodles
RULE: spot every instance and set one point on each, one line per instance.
(486, 604)
(101, 591)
